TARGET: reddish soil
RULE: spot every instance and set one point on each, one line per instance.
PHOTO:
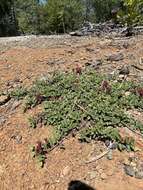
(21, 62)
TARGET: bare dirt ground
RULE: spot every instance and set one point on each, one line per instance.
(24, 59)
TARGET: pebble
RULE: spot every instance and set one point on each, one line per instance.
(97, 63)
(90, 49)
(139, 175)
(4, 99)
(92, 174)
(115, 57)
(17, 138)
(114, 146)
(121, 77)
(126, 161)
(103, 176)
(94, 63)
(98, 167)
(124, 70)
(2, 120)
(113, 75)
(66, 171)
(107, 143)
(141, 60)
(77, 33)
(126, 45)
(127, 93)
(129, 170)
(100, 171)
(110, 155)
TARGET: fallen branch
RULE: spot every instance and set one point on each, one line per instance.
(56, 145)
(137, 67)
(82, 108)
(98, 157)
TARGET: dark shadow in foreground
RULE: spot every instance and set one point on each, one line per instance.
(78, 185)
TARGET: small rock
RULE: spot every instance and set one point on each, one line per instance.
(97, 62)
(103, 176)
(100, 171)
(2, 120)
(2, 147)
(44, 78)
(92, 174)
(127, 93)
(133, 164)
(70, 51)
(139, 175)
(107, 143)
(94, 63)
(4, 99)
(109, 155)
(141, 78)
(88, 63)
(131, 56)
(126, 45)
(17, 80)
(57, 181)
(114, 146)
(98, 167)
(124, 70)
(83, 58)
(121, 77)
(76, 33)
(141, 60)
(66, 171)
(55, 61)
(89, 49)
(126, 161)
(52, 187)
(112, 75)
(129, 170)
(115, 57)
(18, 139)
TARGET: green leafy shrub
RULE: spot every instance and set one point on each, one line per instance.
(71, 99)
(32, 122)
(19, 93)
(131, 14)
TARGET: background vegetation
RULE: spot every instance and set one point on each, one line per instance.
(52, 16)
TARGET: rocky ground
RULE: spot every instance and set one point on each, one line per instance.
(22, 60)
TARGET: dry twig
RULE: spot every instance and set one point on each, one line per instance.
(98, 157)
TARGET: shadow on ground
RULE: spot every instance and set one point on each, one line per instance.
(78, 185)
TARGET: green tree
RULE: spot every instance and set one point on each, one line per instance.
(27, 13)
(63, 15)
(8, 22)
(4, 7)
